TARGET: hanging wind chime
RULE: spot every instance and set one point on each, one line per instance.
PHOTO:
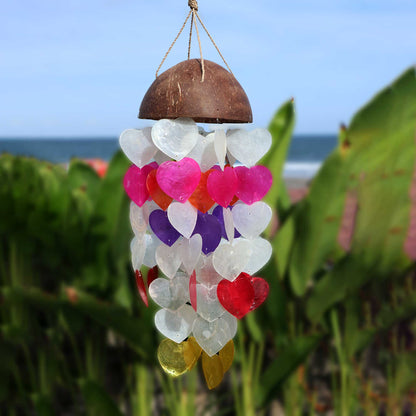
(196, 210)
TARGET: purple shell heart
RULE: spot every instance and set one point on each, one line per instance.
(219, 213)
(160, 225)
(209, 228)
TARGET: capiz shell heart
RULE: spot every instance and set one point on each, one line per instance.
(138, 146)
(253, 183)
(175, 138)
(179, 179)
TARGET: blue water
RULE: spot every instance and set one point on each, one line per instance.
(305, 154)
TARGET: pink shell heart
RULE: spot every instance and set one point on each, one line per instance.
(134, 183)
(179, 179)
(222, 186)
(253, 183)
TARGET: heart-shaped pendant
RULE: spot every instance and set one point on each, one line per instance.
(227, 356)
(211, 336)
(183, 217)
(209, 306)
(138, 249)
(220, 146)
(190, 251)
(251, 220)
(152, 243)
(168, 259)
(170, 294)
(219, 213)
(175, 325)
(261, 252)
(156, 193)
(205, 272)
(236, 297)
(137, 219)
(229, 260)
(175, 138)
(261, 291)
(200, 198)
(204, 152)
(213, 370)
(192, 291)
(209, 228)
(138, 146)
(141, 287)
(253, 183)
(222, 186)
(179, 179)
(135, 183)
(249, 147)
(160, 225)
(176, 359)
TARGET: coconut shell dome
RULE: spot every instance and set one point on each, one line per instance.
(179, 92)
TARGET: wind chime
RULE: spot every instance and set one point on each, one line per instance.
(196, 210)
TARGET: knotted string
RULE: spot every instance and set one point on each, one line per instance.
(193, 13)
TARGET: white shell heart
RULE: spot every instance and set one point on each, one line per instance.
(138, 145)
(183, 217)
(261, 253)
(170, 294)
(232, 323)
(152, 243)
(228, 224)
(204, 152)
(175, 138)
(190, 252)
(138, 248)
(208, 305)
(249, 147)
(251, 220)
(211, 336)
(220, 145)
(138, 218)
(229, 260)
(205, 272)
(175, 325)
(168, 258)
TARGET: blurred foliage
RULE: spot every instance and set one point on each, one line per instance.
(337, 332)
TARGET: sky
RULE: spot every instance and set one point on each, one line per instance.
(81, 68)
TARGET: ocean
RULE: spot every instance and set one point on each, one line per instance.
(306, 152)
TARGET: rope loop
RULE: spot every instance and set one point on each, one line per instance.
(193, 4)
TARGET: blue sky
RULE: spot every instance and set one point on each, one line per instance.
(81, 68)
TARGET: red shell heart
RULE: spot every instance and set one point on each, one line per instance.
(192, 290)
(236, 297)
(261, 291)
(141, 288)
(244, 294)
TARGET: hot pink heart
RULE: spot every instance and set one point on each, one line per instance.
(253, 183)
(222, 186)
(179, 179)
(135, 183)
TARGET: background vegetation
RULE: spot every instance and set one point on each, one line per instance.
(336, 334)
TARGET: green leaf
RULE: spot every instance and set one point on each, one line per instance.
(97, 400)
(281, 128)
(287, 360)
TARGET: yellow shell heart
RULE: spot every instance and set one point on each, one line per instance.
(227, 355)
(213, 370)
(177, 359)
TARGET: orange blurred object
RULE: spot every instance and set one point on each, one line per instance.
(99, 165)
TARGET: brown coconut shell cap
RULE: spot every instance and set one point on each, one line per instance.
(179, 92)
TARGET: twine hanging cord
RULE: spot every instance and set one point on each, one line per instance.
(193, 4)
